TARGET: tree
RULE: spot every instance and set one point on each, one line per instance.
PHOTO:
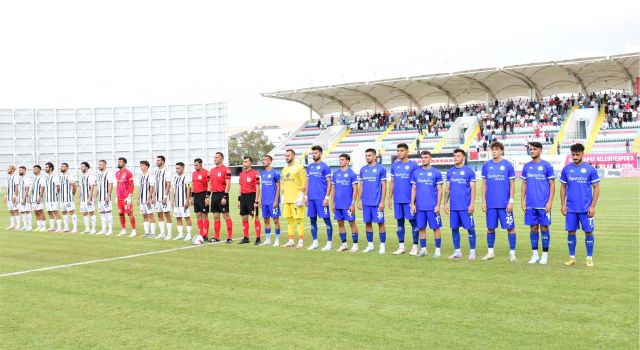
(254, 144)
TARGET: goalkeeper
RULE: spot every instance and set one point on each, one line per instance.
(293, 183)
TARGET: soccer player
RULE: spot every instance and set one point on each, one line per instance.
(498, 190)
(200, 186)
(270, 200)
(24, 190)
(146, 198)
(162, 207)
(537, 192)
(52, 188)
(181, 200)
(317, 197)
(37, 196)
(293, 185)
(427, 181)
(87, 190)
(124, 193)
(12, 198)
(220, 184)
(248, 202)
(400, 196)
(371, 198)
(344, 195)
(459, 202)
(104, 185)
(67, 198)
(578, 197)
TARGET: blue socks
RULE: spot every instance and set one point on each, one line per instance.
(327, 221)
(438, 242)
(546, 239)
(512, 241)
(354, 237)
(423, 243)
(314, 228)
(343, 237)
(400, 230)
(472, 239)
(369, 237)
(383, 237)
(571, 243)
(491, 239)
(589, 241)
(534, 237)
(455, 234)
(267, 232)
(414, 230)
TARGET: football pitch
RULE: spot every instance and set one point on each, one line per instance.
(244, 297)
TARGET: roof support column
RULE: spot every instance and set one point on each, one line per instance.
(310, 113)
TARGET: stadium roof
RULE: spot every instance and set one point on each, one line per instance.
(531, 80)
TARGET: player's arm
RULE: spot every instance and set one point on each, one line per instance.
(484, 194)
(41, 194)
(92, 189)
(152, 193)
(325, 202)
(15, 193)
(74, 188)
(130, 190)
(383, 184)
(332, 198)
(354, 198)
(227, 188)
(359, 195)
(596, 193)
(472, 200)
(563, 198)
(523, 195)
(276, 197)
(109, 191)
(26, 195)
(552, 192)
(258, 193)
(413, 198)
(302, 183)
(446, 198)
(167, 192)
(188, 190)
(391, 186)
(512, 191)
(436, 209)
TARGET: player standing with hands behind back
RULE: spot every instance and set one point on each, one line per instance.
(372, 193)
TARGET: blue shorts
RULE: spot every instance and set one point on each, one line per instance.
(372, 214)
(269, 212)
(344, 214)
(461, 218)
(316, 209)
(506, 219)
(403, 211)
(575, 220)
(428, 216)
(534, 217)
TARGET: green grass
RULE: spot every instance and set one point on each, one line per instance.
(263, 297)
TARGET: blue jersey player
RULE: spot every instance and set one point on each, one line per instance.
(537, 192)
(427, 182)
(317, 197)
(578, 197)
(371, 194)
(460, 202)
(498, 190)
(270, 193)
(400, 196)
(343, 196)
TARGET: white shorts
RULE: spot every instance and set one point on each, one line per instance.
(86, 208)
(103, 207)
(37, 206)
(181, 212)
(163, 208)
(24, 208)
(144, 209)
(12, 206)
(51, 206)
(67, 206)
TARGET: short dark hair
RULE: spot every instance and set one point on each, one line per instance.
(23, 167)
(370, 150)
(497, 144)
(247, 157)
(180, 164)
(197, 160)
(163, 158)
(102, 161)
(50, 165)
(577, 147)
(535, 144)
(402, 145)
(345, 156)
(86, 164)
(221, 155)
(460, 150)
(424, 153)
(290, 150)
(316, 148)
(270, 157)
(37, 166)
(123, 159)
(65, 164)
(144, 162)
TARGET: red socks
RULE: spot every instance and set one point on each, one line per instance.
(205, 225)
(229, 228)
(123, 223)
(216, 227)
(132, 221)
(200, 227)
(258, 228)
(245, 228)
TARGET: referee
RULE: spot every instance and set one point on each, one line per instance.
(200, 184)
(247, 203)
(220, 183)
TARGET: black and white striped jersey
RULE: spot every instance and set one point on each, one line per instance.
(103, 179)
(181, 185)
(147, 182)
(66, 190)
(86, 181)
(38, 182)
(50, 189)
(11, 186)
(161, 177)
(23, 183)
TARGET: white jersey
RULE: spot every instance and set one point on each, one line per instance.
(66, 189)
(11, 186)
(50, 188)
(147, 181)
(103, 179)
(37, 183)
(23, 184)
(161, 178)
(181, 185)
(86, 182)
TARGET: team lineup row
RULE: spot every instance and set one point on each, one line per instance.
(416, 193)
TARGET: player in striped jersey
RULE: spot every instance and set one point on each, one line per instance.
(68, 198)
(162, 203)
(22, 188)
(180, 201)
(146, 198)
(51, 190)
(37, 198)
(12, 198)
(87, 187)
(104, 190)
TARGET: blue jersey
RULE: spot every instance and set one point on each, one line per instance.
(537, 176)
(317, 174)
(269, 180)
(498, 177)
(579, 180)
(372, 177)
(460, 180)
(401, 175)
(426, 181)
(343, 182)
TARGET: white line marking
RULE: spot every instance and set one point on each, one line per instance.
(100, 260)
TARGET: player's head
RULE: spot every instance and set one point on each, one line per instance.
(37, 169)
(218, 158)
(577, 150)
(84, 166)
(246, 162)
(160, 161)
(48, 167)
(370, 155)
(266, 160)
(497, 150)
(122, 162)
(316, 153)
(344, 160)
(144, 165)
(426, 158)
(11, 169)
(197, 164)
(459, 156)
(102, 164)
(22, 170)
(289, 156)
(403, 151)
(64, 167)
(179, 168)
(535, 149)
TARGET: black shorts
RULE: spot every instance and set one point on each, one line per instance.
(216, 203)
(247, 200)
(199, 205)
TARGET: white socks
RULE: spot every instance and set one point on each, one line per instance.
(59, 224)
(93, 222)
(87, 222)
(65, 219)
(490, 251)
(153, 228)
(146, 227)
(74, 221)
(161, 225)
(169, 227)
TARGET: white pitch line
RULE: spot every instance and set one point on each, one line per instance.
(99, 261)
